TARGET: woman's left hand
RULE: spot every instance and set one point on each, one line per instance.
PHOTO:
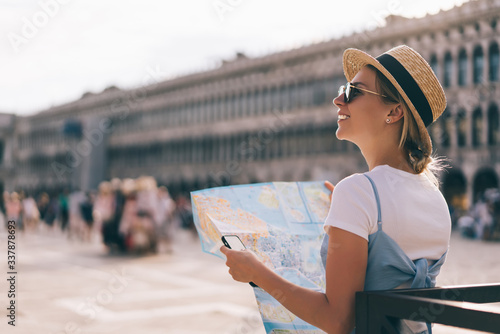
(330, 187)
(243, 265)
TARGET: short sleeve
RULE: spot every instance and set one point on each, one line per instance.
(353, 207)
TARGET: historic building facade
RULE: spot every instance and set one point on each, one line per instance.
(268, 118)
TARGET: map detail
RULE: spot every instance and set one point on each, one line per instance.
(281, 222)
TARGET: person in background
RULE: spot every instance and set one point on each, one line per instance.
(129, 215)
(3, 221)
(31, 213)
(483, 215)
(52, 211)
(185, 213)
(104, 205)
(164, 218)
(14, 209)
(43, 205)
(86, 208)
(143, 236)
(64, 209)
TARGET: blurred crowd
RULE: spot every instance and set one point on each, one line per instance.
(482, 219)
(129, 215)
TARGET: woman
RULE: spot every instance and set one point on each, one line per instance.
(387, 228)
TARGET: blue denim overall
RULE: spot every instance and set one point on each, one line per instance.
(389, 267)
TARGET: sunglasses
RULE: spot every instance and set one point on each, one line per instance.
(350, 91)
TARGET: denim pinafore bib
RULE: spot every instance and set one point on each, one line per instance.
(388, 266)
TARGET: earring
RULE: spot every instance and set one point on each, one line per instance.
(388, 120)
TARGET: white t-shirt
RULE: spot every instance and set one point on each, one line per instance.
(414, 212)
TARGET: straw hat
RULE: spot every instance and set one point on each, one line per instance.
(412, 76)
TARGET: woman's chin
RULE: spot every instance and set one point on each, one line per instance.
(340, 134)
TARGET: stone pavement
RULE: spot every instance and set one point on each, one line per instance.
(74, 287)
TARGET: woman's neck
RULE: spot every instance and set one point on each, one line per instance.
(388, 157)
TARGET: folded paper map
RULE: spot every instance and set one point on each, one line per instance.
(281, 222)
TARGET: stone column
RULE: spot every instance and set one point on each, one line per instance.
(440, 65)
(468, 122)
(484, 120)
(454, 66)
(453, 126)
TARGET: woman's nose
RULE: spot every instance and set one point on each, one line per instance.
(339, 100)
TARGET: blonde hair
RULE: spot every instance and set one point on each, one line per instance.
(418, 155)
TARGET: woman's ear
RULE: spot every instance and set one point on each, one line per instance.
(396, 113)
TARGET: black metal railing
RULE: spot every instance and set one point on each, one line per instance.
(458, 306)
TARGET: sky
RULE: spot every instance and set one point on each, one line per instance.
(53, 51)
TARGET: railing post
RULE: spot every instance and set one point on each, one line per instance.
(362, 313)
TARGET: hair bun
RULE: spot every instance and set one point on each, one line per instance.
(417, 153)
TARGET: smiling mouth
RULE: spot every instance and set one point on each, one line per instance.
(340, 117)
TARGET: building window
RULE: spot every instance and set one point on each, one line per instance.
(461, 126)
(462, 68)
(307, 93)
(209, 110)
(228, 107)
(250, 108)
(244, 104)
(319, 93)
(275, 96)
(493, 55)
(434, 64)
(493, 125)
(284, 97)
(231, 106)
(478, 65)
(267, 101)
(2, 145)
(448, 67)
(201, 111)
(294, 96)
(214, 109)
(300, 95)
(220, 108)
(258, 102)
(477, 122)
(445, 133)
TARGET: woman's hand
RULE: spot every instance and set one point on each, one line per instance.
(243, 265)
(330, 187)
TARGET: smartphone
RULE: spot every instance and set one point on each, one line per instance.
(234, 242)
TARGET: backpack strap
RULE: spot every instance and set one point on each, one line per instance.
(379, 211)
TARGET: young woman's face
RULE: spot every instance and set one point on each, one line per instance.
(365, 113)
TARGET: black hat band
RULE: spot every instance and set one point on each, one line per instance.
(409, 85)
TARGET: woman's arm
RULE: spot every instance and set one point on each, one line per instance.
(332, 311)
